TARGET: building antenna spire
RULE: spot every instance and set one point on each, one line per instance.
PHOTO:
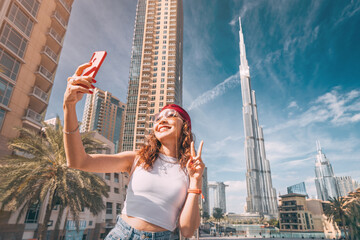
(244, 67)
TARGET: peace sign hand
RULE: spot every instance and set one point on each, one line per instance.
(195, 166)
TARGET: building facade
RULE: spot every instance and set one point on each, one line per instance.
(105, 114)
(325, 181)
(218, 196)
(31, 38)
(345, 185)
(205, 192)
(301, 217)
(261, 196)
(155, 77)
(298, 188)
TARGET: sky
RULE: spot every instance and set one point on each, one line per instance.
(304, 68)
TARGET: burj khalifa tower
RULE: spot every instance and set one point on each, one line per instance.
(261, 196)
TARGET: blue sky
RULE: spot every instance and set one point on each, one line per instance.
(304, 67)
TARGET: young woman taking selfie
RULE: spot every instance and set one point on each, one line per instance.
(165, 174)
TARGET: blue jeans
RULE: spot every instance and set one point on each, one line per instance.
(123, 231)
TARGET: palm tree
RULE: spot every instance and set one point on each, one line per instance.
(346, 210)
(336, 211)
(38, 173)
(218, 214)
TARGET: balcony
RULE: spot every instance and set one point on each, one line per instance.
(51, 54)
(60, 19)
(32, 119)
(56, 36)
(171, 89)
(169, 100)
(65, 5)
(171, 77)
(42, 71)
(38, 100)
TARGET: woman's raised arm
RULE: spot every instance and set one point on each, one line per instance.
(75, 153)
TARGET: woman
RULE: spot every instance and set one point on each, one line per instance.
(165, 175)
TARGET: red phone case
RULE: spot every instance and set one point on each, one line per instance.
(97, 59)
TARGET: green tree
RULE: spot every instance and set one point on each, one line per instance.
(218, 214)
(38, 173)
(205, 216)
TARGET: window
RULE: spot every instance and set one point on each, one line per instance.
(156, 47)
(50, 223)
(161, 97)
(32, 213)
(153, 92)
(156, 52)
(155, 69)
(162, 85)
(163, 52)
(31, 5)
(152, 104)
(116, 190)
(161, 104)
(163, 69)
(154, 74)
(164, 37)
(156, 42)
(153, 98)
(163, 80)
(164, 47)
(90, 223)
(109, 208)
(151, 111)
(163, 58)
(155, 63)
(5, 92)
(20, 19)
(157, 32)
(156, 58)
(107, 176)
(8, 64)
(116, 177)
(161, 91)
(153, 86)
(163, 63)
(165, 31)
(163, 74)
(13, 40)
(118, 208)
(164, 42)
(154, 80)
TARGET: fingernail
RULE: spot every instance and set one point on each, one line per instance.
(92, 86)
(94, 81)
(91, 92)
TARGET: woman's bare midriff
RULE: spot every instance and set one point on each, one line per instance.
(141, 225)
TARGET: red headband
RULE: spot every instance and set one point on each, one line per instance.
(181, 111)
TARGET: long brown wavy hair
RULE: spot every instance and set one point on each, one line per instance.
(150, 151)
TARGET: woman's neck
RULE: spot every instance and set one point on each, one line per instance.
(170, 150)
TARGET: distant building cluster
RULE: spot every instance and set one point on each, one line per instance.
(327, 185)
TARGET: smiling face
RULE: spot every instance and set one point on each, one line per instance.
(168, 127)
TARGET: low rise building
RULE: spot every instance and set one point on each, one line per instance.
(301, 217)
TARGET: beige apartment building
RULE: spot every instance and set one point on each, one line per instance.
(31, 39)
(155, 78)
(301, 217)
(105, 114)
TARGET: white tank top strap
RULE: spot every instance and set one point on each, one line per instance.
(134, 165)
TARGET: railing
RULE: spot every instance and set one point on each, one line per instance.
(55, 35)
(60, 19)
(46, 73)
(40, 94)
(31, 114)
(65, 5)
(50, 53)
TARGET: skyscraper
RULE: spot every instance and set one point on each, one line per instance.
(325, 180)
(345, 185)
(298, 188)
(105, 114)
(261, 196)
(219, 197)
(155, 77)
(31, 38)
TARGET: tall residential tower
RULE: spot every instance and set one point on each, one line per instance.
(105, 114)
(261, 194)
(155, 77)
(31, 39)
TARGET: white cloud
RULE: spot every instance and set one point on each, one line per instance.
(293, 104)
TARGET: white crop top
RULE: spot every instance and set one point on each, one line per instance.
(157, 195)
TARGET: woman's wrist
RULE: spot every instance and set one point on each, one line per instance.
(195, 184)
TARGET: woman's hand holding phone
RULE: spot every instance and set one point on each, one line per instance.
(78, 85)
(81, 81)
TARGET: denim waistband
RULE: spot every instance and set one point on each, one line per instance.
(154, 235)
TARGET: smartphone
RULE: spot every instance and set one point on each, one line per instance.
(97, 59)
